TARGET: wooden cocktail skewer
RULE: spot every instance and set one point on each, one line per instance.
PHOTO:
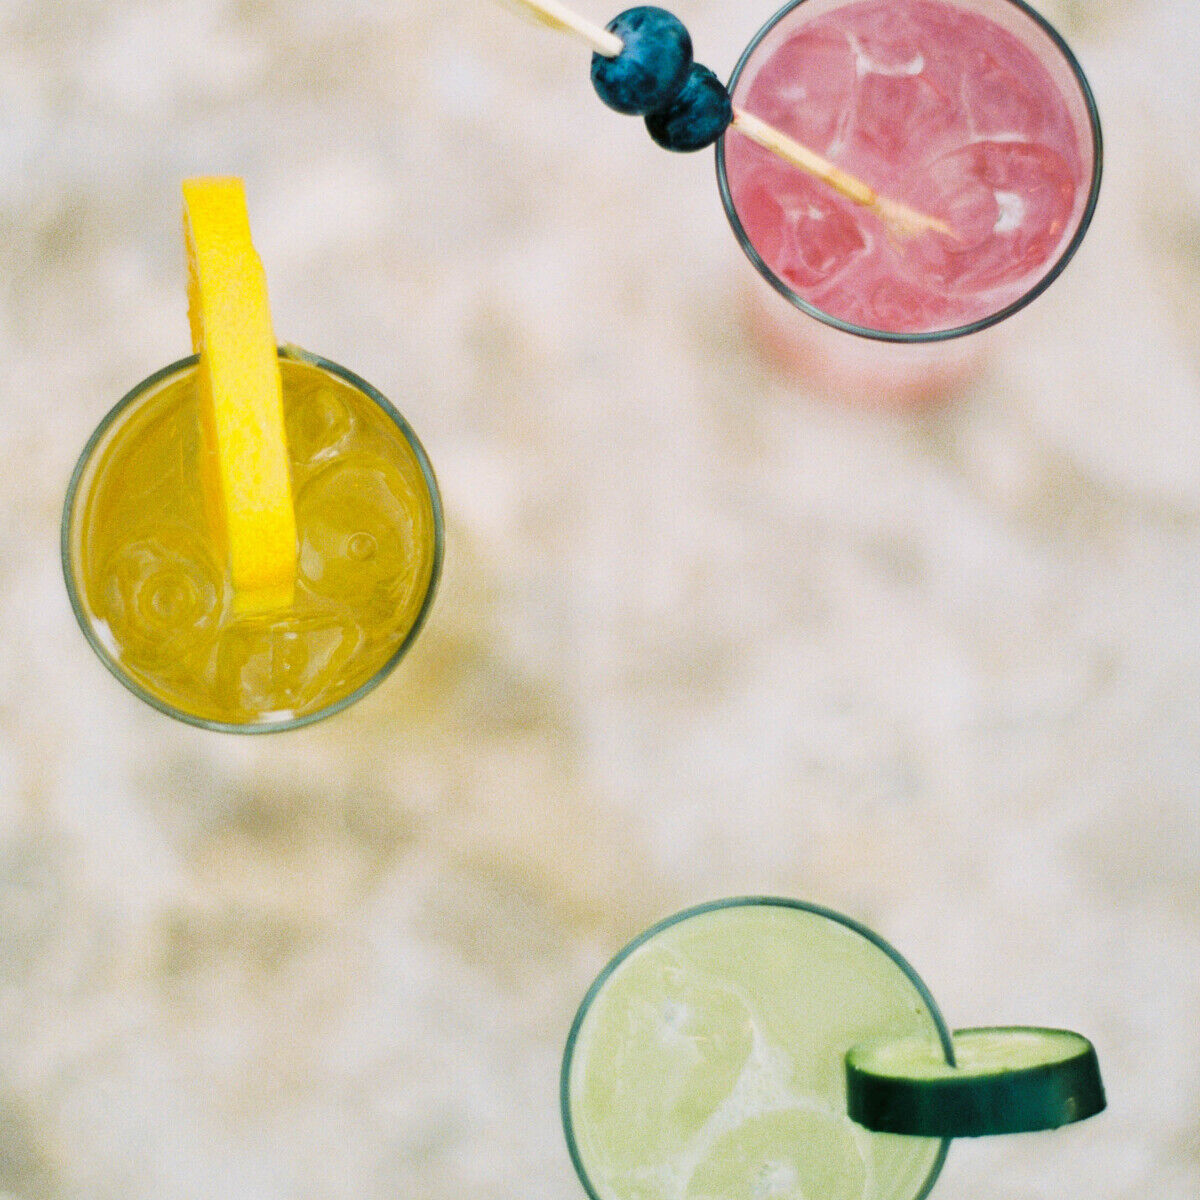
(900, 220)
(559, 16)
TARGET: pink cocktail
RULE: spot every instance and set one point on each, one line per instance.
(973, 112)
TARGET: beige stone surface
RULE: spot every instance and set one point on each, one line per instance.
(700, 633)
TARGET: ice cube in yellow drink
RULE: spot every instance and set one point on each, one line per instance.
(152, 592)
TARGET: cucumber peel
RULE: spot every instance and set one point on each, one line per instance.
(1004, 1079)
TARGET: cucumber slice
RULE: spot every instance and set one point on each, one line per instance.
(1005, 1080)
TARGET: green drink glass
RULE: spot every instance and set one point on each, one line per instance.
(706, 1061)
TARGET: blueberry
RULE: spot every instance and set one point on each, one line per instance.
(653, 63)
(697, 116)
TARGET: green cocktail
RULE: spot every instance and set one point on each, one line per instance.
(707, 1061)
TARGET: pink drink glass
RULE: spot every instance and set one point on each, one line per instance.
(971, 111)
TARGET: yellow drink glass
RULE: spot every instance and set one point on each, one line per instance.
(155, 601)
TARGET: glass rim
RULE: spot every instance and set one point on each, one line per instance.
(181, 366)
(936, 335)
(696, 910)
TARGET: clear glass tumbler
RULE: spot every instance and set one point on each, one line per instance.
(151, 592)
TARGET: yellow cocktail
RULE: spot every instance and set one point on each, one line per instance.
(156, 602)
(251, 540)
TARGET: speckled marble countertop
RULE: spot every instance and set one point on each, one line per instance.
(699, 633)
